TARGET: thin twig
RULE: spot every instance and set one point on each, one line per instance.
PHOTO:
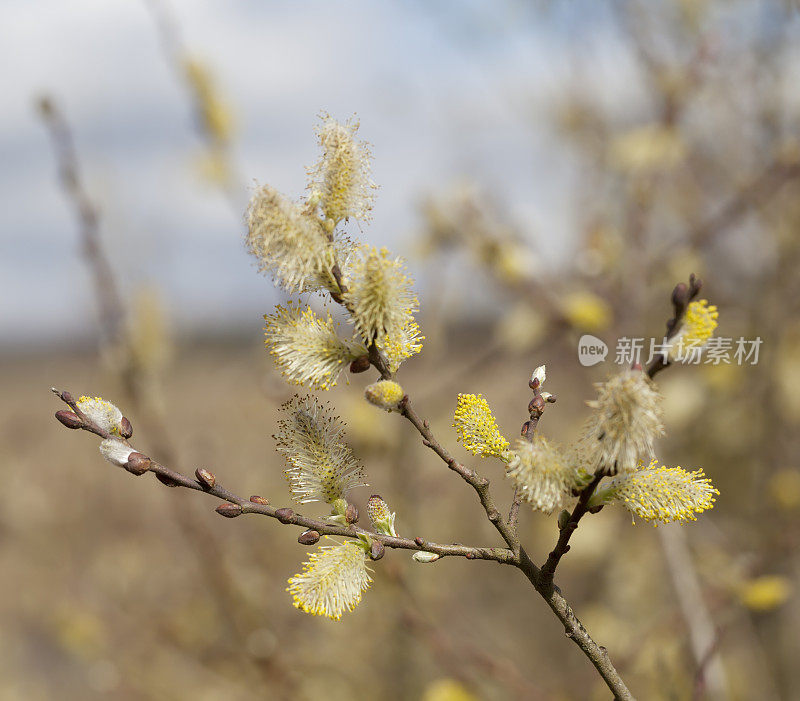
(111, 309)
(286, 515)
(754, 194)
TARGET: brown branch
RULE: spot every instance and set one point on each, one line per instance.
(528, 432)
(573, 628)
(562, 546)
(682, 294)
(209, 485)
(514, 555)
(477, 482)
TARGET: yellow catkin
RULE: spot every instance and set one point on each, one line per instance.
(307, 348)
(332, 581)
(697, 328)
(321, 466)
(380, 295)
(664, 494)
(476, 427)
(341, 178)
(385, 394)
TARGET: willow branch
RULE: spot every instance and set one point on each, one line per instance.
(573, 628)
(562, 545)
(208, 484)
(477, 482)
(681, 296)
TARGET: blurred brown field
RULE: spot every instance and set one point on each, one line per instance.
(119, 587)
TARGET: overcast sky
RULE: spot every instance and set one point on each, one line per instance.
(443, 90)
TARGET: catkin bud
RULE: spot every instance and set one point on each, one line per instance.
(125, 428)
(385, 394)
(381, 516)
(259, 500)
(360, 364)
(229, 510)
(308, 537)
(538, 377)
(563, 518)
(351, 514)
(116, 452)
(377, 550)
(680, 295)
(424, 557)
(137, 464)
(284, 515)
(69, 419)
(205, 477)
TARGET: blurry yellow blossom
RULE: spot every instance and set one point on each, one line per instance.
(447, 690)
(150, 344)
(476, 427)
(367, 429)
(341, 178)
(684, 399)
(586, 311)
(787, 372)
(79, 631)
(679, 261)
(307, 348)
(214, 166)
(784, 488)
(647, 148)
(663, 494)
(725, 376)
(765, 593)
(215, 115)
(522, 327)
(332, 581)
(321, 466)
(512, 261)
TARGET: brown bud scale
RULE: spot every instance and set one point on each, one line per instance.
(69, 419)
(125, 428)
(360, 364)
(205, 477)
(259, 500)
(351, 514)
(137, 464)
(308, 537)
(377, 550)
(229, 510)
